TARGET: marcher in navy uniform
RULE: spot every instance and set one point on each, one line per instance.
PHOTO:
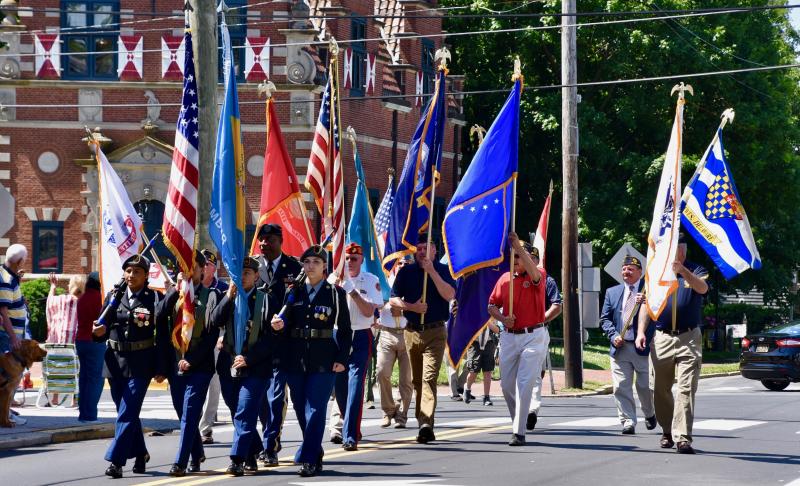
(253, 366)
(131, 361)
(677, 352)
(190, 373)
(276, 272)
(211, 405)
(313, 355)
(363, 299)
(620, 322)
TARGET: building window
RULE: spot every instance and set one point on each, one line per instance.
(358, 32)
(90, 25)
(428, 67)
(236, 18)
(48, 246)
(373, 195)
(151, 213)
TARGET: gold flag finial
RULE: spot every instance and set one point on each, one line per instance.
(682, 89)
(333, 47)
(351, 135)
(477, 130)
(443, 56)
(517, 70)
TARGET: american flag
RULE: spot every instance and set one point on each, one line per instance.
(382, 216)
(324, 178)
(180, 212)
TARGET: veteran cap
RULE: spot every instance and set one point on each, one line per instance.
(140, 261)
(251, 263)
(270, 229)
(353, 249)
(632, 260)
(210, 256)
(315, 251)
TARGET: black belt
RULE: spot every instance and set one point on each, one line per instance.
(677, 332)
(524, 330)
(424, 327)
(311, 333)
(395, 330)
(125, 346)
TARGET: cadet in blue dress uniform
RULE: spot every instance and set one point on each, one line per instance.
(312, 354)
(190, 373)
(276, 271)
(130, 362)
(253, 367)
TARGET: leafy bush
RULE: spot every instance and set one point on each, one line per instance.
(35, 292)
(758, 318)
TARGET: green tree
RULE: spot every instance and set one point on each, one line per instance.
(625, 128)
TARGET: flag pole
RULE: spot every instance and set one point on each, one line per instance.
(517, 76)
(444, 55)
(338, 125)
(727, 116)
(681, 89)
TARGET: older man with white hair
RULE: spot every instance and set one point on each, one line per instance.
(13, 311)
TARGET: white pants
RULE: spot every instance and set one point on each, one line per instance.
(629, 368)
(536, 399)
(521, 358)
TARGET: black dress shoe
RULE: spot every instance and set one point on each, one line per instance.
(177, 471)
(140, 465)
(684, 448)
(517, 440)
(270, 459)
(350, 446)
(530, 424)
(628, 430)
(336, 439)
(319, 461)
(650, 422)
(666, 441)
(308, 470)
(425, 434)
(194, 466)
(235, 469)
(250, 464)
(114, 471)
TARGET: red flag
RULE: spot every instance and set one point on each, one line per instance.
(540, 241)
(281, 201)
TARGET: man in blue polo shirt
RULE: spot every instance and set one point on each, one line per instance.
(425, 337)
(677, 352)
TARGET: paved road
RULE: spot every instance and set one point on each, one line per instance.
(744, 434)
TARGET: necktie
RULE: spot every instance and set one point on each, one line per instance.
(627, 311)
(270, 273)
(311, 294)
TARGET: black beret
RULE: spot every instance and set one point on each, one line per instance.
(251, 263)
(270, 229)
(210, 256)
(315, 251)
(632, 260)
(199, 258)
(140, 261)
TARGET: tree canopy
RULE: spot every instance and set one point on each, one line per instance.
(625, 128)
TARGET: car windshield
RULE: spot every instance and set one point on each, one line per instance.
(789, 328)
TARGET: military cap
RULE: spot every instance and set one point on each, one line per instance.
(140, 261)
(251, 263)
(210, 256)
(353, 249)
(199, 258)
(315, 251)
(632, 260)
(270, 229)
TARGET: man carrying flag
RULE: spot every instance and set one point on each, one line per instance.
(674, 297)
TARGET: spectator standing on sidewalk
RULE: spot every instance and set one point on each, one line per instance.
(90, 353)
(62, 314)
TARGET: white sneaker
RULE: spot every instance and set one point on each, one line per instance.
(17, 419)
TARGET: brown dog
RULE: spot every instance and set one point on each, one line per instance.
(12, 364)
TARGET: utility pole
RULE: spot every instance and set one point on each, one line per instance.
(573, 366)
(204, 36)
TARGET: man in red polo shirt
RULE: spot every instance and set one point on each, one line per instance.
(525, 340)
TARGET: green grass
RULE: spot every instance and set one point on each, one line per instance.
(588, 386)
(595, 357)
(719, 368)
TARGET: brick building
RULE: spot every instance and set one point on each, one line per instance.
(112, 64)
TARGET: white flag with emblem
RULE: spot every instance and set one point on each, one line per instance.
(662, 241)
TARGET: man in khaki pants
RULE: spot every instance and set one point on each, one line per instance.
(425, 333)
(391, 348)
(677, 351)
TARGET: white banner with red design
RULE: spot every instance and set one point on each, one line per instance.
(129, 57)
(369, 86)
(47, 48)
(256, 59)
(173, 52)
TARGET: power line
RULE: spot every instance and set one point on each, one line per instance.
(431, 36)
(454, 93)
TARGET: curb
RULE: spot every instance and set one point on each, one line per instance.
(609, 389)
(720, 375)
(58, 436)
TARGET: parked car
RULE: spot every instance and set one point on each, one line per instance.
(772, 356)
